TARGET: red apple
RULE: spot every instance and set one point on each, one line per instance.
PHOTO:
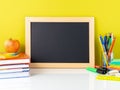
(12, 46)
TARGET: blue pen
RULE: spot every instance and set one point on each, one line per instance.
(105, 42)
(102, 43)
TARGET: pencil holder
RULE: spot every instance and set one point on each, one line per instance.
(107, 43)
(108, 59)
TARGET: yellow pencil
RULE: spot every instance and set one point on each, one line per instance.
(104, 53)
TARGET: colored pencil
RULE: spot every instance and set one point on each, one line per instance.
(103, 50)
(111, 47)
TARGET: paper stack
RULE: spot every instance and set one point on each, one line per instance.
(16, 67)
(115, 64)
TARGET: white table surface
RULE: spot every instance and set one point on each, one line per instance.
(59, 79)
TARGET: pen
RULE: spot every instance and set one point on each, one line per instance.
(102, 42)
(109, 43)
(105, 42)
(97, 70)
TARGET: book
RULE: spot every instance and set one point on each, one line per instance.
(14, 75)
(14, 70)
(4, 56)
(21, 58)
(14, 61)
(10, 66)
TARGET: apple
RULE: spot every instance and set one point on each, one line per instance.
(12, 46)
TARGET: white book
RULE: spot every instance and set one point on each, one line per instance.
(14, 75)
(14, 66)
(14, 61)
(14, 70)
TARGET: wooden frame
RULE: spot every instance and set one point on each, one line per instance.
(61, 19)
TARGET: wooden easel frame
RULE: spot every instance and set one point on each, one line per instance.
(61, 19)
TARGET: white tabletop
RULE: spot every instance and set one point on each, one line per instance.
(59, 79)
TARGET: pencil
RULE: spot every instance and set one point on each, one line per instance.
(109, 42)
(111, 47)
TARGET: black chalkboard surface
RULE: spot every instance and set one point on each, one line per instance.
(62, 42)
(59, 42)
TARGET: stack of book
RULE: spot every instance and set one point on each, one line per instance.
(17, 67)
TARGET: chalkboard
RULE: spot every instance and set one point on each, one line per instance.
(59, 42)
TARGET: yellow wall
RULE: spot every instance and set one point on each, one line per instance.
(106, 13)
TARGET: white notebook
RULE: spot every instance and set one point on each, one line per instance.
(7, 71)
(4, 67)
(14, 75)
(14, 61)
